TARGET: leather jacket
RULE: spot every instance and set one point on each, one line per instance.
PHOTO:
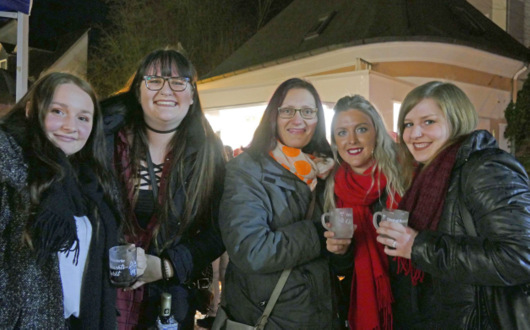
(495, 189)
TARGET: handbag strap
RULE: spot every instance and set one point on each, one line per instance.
(262, 321)
(311, 206)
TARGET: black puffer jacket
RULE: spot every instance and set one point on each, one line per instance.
(265, 230)
(495, 189)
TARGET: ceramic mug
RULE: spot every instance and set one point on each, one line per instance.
(395, 215)
(341, 220)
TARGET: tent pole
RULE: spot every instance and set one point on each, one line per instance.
(22, 55)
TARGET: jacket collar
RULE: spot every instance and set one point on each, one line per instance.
(276, 174)
(477, 140)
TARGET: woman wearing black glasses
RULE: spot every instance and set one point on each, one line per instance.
(171, 165)
(270, 217)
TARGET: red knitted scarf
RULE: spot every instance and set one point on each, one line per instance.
(425, 201)
(371, 296)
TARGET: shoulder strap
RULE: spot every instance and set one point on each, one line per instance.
(311, 206)
(274, 297)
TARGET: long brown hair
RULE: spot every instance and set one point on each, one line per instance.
(25, 121)
(266, 134)
(206, 167)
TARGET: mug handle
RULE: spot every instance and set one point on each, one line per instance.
(323, 220)
(376, 214)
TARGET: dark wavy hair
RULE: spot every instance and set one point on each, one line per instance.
(199, 187)
(25, 121)
(266, 134)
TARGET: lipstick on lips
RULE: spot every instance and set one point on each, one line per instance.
(354, 151)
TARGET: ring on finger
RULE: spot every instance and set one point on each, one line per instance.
(394, 244)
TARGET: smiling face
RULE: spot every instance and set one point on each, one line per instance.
(297, 132)
(426, 130)
(69, 118)
(354, 135)
(164, 109)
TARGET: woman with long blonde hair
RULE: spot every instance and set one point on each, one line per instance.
(366, 179)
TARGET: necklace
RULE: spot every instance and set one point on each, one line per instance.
(161, 132)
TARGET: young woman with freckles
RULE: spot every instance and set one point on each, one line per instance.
(367, 179)
(463, 262)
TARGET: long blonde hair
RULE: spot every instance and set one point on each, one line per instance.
(385, 151)
(456, 108)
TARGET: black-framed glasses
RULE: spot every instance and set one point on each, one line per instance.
(155, 83)
(306, 113)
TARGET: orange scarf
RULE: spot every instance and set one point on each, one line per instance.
(306, 167)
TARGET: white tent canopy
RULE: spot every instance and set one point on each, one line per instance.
(19, 10)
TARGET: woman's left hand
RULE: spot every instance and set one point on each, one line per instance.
(398, 240)
(152, 272)
(336, 245)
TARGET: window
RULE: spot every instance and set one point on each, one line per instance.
(396, 107)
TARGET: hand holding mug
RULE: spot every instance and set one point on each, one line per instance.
(337, 245)
(152, 270)
(398, 240)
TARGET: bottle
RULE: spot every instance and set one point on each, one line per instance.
(165, 320)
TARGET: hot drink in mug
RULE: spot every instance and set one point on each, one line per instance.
(396, 216)
(122, 263)
(341, 220)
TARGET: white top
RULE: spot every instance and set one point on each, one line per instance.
(71, 274)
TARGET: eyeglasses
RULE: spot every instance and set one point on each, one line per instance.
(306, 113)
(177, 84)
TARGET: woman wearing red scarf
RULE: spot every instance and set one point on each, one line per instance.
(367, 179)
(464, 262)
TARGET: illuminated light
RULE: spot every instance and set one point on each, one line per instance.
(236, 126)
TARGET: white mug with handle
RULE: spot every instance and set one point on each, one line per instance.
(341, 220)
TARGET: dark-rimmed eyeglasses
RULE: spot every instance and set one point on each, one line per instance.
(155, 83)
(306, 113)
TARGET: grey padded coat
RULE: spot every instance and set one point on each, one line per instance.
(262, 220)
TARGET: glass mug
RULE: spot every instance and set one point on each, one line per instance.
(341, 220)
(123, 267)
(395, 215)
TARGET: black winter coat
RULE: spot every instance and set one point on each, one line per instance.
(495, 189)
(189, 255)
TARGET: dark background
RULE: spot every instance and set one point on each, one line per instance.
(51, 19)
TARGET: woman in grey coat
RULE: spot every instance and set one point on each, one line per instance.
(265, 222)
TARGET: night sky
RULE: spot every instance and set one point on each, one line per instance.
(51, 19)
